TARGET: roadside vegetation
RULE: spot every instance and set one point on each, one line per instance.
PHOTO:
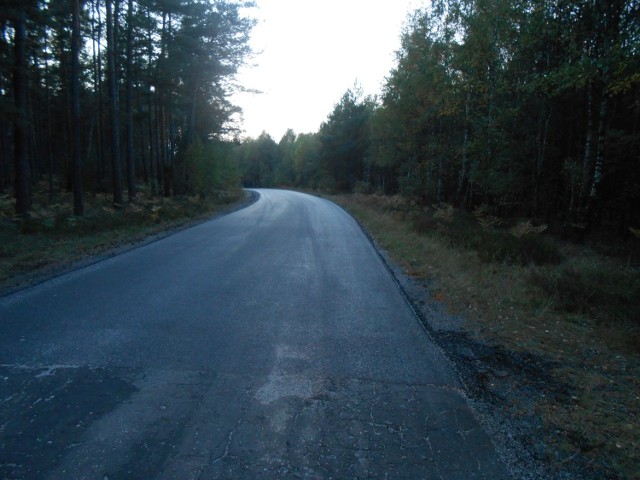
(115, 122)
(572, 307)
(52, 238)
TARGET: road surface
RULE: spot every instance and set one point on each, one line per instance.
(269, 343)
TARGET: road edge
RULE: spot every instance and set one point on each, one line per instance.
(29, 280)
(510, 452)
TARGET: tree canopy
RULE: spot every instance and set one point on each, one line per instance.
(91, 90)
(529, 107)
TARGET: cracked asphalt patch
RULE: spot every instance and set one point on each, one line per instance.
(102, 423)
(46, 411)
(358, 428)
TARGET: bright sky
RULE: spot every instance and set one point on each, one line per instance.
(312, 52)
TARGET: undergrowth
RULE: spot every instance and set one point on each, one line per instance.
(522, 289)
(53, 236)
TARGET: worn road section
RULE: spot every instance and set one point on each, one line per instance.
(271, 343)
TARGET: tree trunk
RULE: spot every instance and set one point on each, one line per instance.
(96, 34)
(141, 137)
(49, 129)
(22, 171)
(131, 161)
(600, 147)
(587, 159)
(78, 201)
(4, 153)
(543, 132)
(159, 145)
(594, 193)
(116, 162)
(150, 109)
(463, 179)
(153, 171)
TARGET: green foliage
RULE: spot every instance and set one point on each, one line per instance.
(56, 220)
(174, 65)
(605, 292)
(493, 245)
(345, 140)
(528, 106)
(285, 173)
(211, 169)
(503, 247)
(337, 158)
(258, 160)
(488, 236)
(486, 95)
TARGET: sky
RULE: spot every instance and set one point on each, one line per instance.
(310, 53)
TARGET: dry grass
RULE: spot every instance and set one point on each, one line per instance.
(509, 304)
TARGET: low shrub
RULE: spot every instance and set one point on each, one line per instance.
(210, 168)
(493, 245)
(503, 247)
(606, 293)
(362, 187)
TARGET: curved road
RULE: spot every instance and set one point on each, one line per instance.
(269, 343)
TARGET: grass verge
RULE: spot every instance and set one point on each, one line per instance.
(53, 237)
(533, 297)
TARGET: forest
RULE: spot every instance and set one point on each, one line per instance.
(529, 108)
(106, 96)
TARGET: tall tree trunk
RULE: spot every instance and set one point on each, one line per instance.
(96, 36)
(34, 114)
(164, 139)
(543, 131)
(116, 162)
(153, 171)
(600, 147)
(594, 193)
(49, 128)
(162, 120)
(4, 150)
(150, 109)
(159, 145)
(131, 161)
(22, 171)
(78, 201)
(463, 179)
(587, 158)
(141, 137)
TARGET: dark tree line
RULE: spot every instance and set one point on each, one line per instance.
(336, 158)
(530, 107)
(101, 95)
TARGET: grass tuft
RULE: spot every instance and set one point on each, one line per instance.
(604, 292)
(493, 245)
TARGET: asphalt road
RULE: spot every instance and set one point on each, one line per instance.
(269, 343)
